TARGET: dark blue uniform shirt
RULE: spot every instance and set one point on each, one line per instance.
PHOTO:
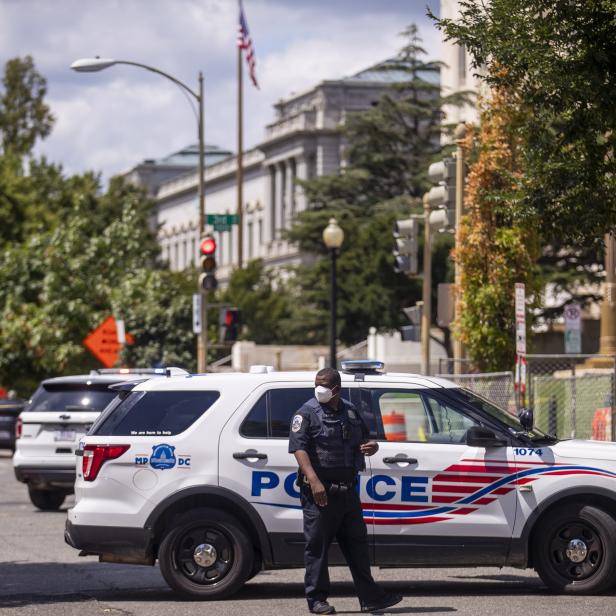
(331, 438)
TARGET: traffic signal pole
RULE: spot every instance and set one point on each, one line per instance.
(427, 290)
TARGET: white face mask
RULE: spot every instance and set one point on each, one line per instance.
(323, 394)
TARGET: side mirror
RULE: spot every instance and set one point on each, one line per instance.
(478, 436)
(527, 419)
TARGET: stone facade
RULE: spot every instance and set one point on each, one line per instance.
(303, 142)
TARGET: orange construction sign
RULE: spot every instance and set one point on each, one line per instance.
(103, 342)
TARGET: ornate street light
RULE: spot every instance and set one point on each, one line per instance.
(333, 236)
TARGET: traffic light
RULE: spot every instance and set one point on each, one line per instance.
(405, 246)
(207, 279)
(412, 333)
(443, 195)
(229, 322)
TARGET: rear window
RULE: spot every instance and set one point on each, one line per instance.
(70, 398)
(154, 413)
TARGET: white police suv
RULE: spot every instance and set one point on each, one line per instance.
(194, 471)
(60, 412)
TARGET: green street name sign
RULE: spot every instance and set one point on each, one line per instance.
(222, 222)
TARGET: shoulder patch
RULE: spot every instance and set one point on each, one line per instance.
(352, 414)
(297, 423)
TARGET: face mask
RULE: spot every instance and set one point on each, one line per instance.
(322, 394)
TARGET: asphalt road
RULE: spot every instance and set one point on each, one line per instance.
(41, 575)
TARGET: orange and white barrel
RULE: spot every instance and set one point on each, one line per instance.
(394, 425)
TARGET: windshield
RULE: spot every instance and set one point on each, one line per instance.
(501, 415)
(70, 398)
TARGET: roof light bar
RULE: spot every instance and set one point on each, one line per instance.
(362, 365)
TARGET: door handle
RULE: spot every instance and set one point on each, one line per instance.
(244, 455)
(65, 416)
(397, 459)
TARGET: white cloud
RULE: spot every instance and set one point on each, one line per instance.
(111, 120)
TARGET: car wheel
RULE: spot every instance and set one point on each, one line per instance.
(206, 554)
(575, 552)
(46, 500)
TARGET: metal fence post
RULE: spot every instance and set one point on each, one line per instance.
(573, 400)
(613, 404)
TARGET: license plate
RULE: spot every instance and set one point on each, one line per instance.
(65, 435)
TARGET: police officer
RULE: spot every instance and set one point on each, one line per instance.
(329, 440)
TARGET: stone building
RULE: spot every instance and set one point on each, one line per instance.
(304, 141)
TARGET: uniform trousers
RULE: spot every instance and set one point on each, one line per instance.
(341, 519)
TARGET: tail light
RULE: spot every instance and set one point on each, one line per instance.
(19, 428)
(94, 456)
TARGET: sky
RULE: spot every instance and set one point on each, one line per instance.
(111, 120)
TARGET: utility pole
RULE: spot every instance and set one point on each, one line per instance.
(427, 289)
(607, 340)
(458, 350)
(202, 337)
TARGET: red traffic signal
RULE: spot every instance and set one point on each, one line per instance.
(207, 280)
(208, 245)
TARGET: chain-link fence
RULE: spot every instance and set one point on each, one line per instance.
(498, 387)
(572, 396)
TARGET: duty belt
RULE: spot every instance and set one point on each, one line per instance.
(334, 487)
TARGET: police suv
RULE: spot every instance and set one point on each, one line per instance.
(194, 471)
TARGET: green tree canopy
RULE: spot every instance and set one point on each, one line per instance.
(559, 58)
(389, 149)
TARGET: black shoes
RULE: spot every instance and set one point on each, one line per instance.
(388, 601)
(322, 607)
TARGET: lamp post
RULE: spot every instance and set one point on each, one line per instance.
(333, 236)
(93, 65)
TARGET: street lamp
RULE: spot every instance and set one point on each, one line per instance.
(93, 65)
(333, 236)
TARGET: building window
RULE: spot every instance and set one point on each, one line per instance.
(461, 64)
(221, 255)
(250, 240)
(230, 251)
(176, 260)
(185, 254)
(260, 237)
(193, 251)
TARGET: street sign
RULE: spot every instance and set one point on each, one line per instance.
(520, 318)
(222, 222)
(196, 313)
(573, 328)
(104, 344)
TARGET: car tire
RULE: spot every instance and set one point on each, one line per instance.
(206, 554)
(575, 551)
(46, 500)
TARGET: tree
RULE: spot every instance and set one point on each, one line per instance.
(559, 58)
(59, 284)
(389, 149)
(264, 302)
(24, 115)
(495, 251)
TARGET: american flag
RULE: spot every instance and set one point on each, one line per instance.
(245, 42)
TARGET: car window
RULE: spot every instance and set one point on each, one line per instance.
(450, 424)
(70, 398)
(416, 417)
(283, 404)
(255, 424)
(155, 413)
(272, 413)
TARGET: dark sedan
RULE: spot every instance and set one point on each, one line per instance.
(9, 412)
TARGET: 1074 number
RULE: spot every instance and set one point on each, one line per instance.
(527, 451)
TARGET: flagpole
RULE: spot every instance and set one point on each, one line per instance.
(240, 158)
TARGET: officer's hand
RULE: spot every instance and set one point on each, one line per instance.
(319, 493)
(369, 448)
